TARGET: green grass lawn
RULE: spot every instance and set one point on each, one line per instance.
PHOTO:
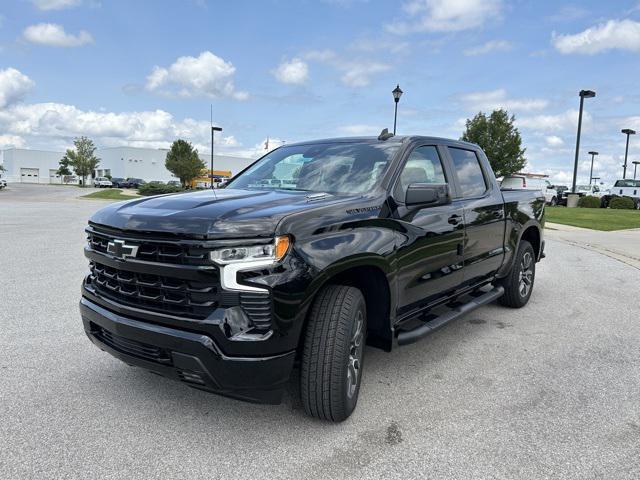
(109, 194)
(595, 218)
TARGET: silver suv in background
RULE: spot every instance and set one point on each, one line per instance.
(102, 182)
(525, 181)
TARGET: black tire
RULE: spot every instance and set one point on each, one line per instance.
(333, 353)
(518, 285)
(554, 202)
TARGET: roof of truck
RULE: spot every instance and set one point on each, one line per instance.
(393, 139)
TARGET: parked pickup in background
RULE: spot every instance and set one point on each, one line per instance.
(526, 182)
(623, 188)
(311, 252)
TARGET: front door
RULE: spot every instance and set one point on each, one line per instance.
(429, 257)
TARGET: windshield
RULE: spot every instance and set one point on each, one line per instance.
(323, 167)
(627, 183)
(584, 188)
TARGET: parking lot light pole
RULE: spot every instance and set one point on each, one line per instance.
(397, 93)
(595, 180)
(593, 154)
(628, 132)
(213, 129)
(583, 94)
(635, 167)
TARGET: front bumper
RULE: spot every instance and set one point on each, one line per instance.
(192, 358)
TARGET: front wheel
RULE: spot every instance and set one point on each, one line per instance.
(554, 202)
(518, 285)
(333, 354)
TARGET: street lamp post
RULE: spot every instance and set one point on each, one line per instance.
(593, 154)
(213, 129)
(635, 167)
(583, 94)
(628, 132)
(397, 93)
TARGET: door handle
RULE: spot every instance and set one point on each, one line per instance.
(455, 219)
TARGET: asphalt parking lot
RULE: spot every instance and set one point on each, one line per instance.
(549, 391)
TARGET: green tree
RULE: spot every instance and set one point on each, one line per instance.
(183, 161)
(82, 160)
(2, 169)
(499, 139)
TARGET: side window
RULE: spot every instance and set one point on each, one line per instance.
(596, 188)
(422, 166)
(467, 168)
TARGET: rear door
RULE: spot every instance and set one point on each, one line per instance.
(429, 257)
(484, 216)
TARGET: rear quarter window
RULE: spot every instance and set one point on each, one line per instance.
(468, 171)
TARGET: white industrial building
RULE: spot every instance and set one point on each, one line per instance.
(39, 166)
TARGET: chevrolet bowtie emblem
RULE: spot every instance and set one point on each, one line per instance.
(119, 249)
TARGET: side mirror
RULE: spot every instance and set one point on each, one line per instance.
(427, 194)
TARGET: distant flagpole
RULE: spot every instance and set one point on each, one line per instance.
(211, 172)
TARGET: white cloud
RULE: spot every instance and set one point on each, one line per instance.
(53, 125)
(360, 130)
(568, 13)
(14, 85)
(356, 73)
(53, 35)
(445, 15)
(11, 141)
(552, 123)
(495, 99)
(614, 34)
(490, 46)
(295, 72)
(554, 141)
(380, 45)
(55, 4)
(206, 75)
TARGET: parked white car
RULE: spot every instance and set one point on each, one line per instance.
(102, 182)
(523, 182)
(591, 190)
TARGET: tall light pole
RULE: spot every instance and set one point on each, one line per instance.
(635, 167)
(397, 93)
(593, 154)
(583, 94)
(628, 132)
(595, 180)
(213, 129)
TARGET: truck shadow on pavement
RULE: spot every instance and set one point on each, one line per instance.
(391, 375)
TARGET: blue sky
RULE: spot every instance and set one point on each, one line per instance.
(143, 73)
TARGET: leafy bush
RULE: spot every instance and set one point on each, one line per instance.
(589, 201)
(622, 203)
(149, 189)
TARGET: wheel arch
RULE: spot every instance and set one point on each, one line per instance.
(372, 276)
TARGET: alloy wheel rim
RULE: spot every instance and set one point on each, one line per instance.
(356, 347)
(525, 280)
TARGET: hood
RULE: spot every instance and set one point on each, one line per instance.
(230, 213)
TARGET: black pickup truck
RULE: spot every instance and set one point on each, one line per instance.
(314, 250)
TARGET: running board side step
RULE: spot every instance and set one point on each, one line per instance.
(411, 336)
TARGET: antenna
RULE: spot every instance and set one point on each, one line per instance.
(385, 135)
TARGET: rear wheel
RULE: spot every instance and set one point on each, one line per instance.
(333, 354)
(518, 285)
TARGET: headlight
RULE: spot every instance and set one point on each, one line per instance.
(273, 252)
